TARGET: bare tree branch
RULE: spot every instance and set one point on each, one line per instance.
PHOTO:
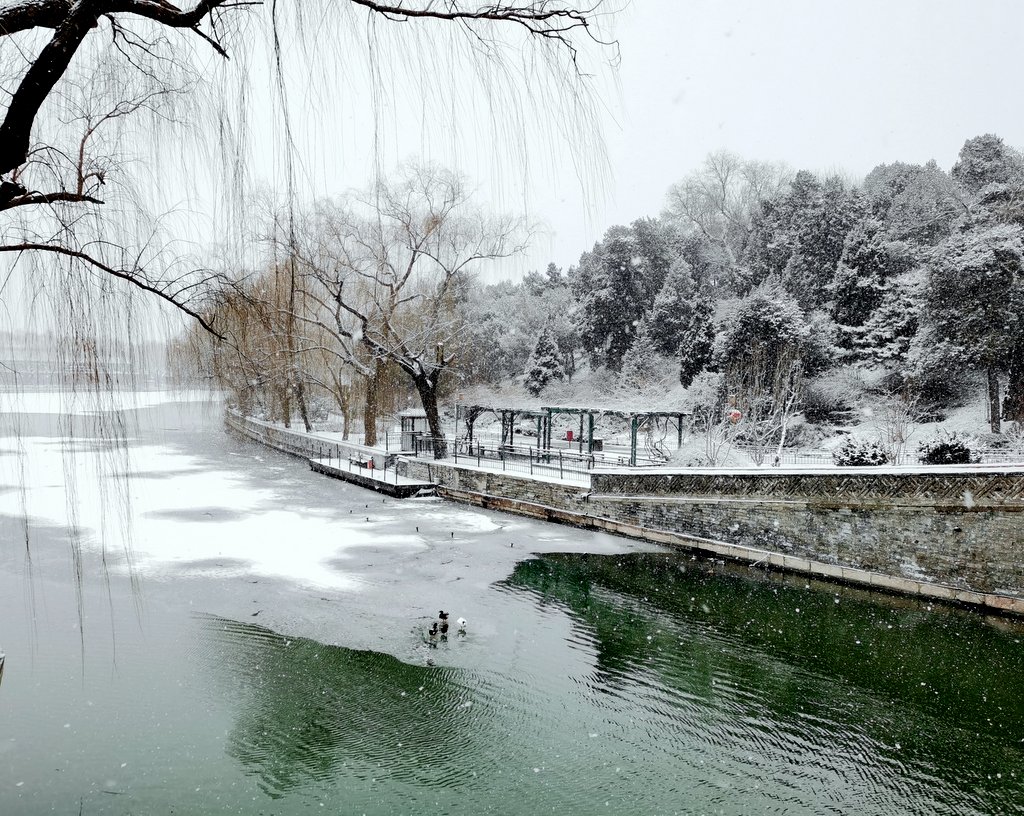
(131, 276)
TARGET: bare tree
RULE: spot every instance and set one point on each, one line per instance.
(388, 274)
(895, 422)
(720, 199)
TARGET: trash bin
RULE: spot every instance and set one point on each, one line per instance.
(597, 444)
(568, 436)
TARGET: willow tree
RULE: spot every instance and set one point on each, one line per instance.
(119, 119)
(105, 101)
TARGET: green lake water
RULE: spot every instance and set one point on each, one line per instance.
(596, 676)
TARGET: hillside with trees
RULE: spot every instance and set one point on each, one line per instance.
(789, 299)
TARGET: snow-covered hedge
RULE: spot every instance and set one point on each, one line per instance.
(949, 449)
(854, 452)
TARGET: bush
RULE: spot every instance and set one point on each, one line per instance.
(948, 449)
(854, 452)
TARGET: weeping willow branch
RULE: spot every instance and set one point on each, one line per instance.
(129, 275)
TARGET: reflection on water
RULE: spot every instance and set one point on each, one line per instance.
(899, 707)
(313, 711)
(675, 689)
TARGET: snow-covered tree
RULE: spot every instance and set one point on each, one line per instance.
(672, 311)
(696, 347)
(975, 299)
(764, 353)
(388, 271)
(616, 283)
(916, 203)
(865, 281)
(866, 263)
(642, 365)
(798, 239)
(545, 364)
(719, 201)
(885, 337)
(986, 160)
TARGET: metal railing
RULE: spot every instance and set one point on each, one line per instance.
(513, 458)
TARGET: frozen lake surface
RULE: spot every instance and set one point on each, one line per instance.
(246, 637)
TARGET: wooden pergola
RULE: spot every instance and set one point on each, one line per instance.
(638, 420)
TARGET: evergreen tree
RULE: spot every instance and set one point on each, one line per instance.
(885, 337)
(679, 324)
(986, 160)
(673, 309)
(697, 343)
(616, 284)
(545, 364)
(799, 238)
(975, 299)
(641, 364)
(863, 281)
(916, 203)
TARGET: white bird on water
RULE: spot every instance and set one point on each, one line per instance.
(461, 623)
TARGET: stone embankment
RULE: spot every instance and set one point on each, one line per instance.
(938, 533)
(943, 533)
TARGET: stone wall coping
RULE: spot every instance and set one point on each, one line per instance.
(769, 472)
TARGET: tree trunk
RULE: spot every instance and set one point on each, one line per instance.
(372, 383)
(343, 396)
(993, 399)
(427, 389)
(300, 396)
(284, 397)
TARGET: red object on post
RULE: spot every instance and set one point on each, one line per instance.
(568, 436)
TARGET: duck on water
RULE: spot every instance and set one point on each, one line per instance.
(439, 628)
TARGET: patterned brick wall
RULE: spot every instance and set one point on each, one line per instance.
(961, 528)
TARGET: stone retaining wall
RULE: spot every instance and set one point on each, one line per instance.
(943, 533)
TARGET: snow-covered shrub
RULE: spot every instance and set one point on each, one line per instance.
(949, 449)
(855, 452)
(802, 434)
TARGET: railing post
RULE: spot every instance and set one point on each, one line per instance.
(529, 452)
(561, 475)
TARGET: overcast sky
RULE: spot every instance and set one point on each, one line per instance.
(819, 85)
